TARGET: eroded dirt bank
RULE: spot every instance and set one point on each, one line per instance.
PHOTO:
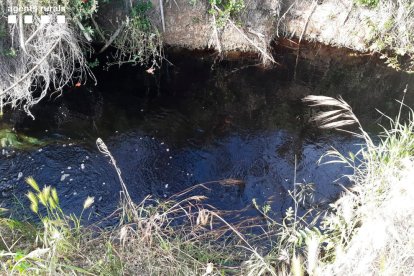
(342, 23)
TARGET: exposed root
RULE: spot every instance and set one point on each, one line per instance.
(45, 57)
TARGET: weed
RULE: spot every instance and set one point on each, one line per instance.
(225, 10)
(366, 226)
(57, 237)
(138, 41)
(368, 3)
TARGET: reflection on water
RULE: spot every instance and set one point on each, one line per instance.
(194, 122)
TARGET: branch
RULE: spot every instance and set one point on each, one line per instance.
(254, 44)
(315, 4)
(216, 35)
(112, 38)
(264, 53)
(98, 29)
(162, 15)
(82, 28)
(21, 33)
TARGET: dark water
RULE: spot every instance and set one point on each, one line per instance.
(192, 122)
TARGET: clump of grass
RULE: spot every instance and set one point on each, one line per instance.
(392, 33)
(370, 223)
(39, 58)
(368, 3)
(137, 40)
(30, 249)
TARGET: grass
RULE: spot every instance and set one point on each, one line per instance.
(137, 40)
(391, 31)
(369, 225)
(366, 232)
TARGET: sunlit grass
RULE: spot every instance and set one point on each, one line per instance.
(370, 223)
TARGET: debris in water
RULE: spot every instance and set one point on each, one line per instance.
(150, 71)
(232, 182)
(82, 166)
(20, 175)
(63, 177)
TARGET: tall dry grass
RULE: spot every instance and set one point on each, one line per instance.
(372, 222)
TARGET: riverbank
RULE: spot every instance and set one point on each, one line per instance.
(364, 26)
(137, 32)
(367, 231)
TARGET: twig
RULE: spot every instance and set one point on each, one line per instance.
(21, 33)
(315, 4)
(282, 17)
(112, 38)
(349, 13)
(162, 15)
(104, 149)
(254, 44)
(216, 35)
(82, 28)
(34, 34)
(98, 29)
(264, 53)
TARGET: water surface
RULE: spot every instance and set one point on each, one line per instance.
(196, 121)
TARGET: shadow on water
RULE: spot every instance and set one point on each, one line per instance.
(193, 122)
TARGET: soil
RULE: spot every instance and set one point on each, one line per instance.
(338, 23)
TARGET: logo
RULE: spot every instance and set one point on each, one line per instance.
(49, 13)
